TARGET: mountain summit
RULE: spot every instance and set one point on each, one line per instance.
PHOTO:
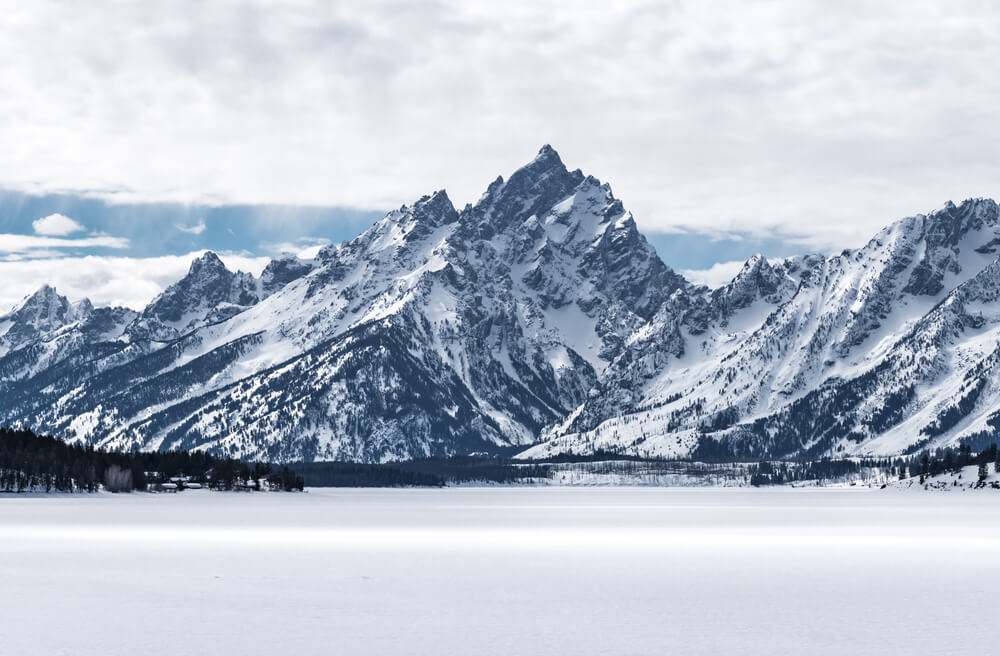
(536, 319)
(436, 331)
(885, 349)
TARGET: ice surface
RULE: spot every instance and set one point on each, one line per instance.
(501, 571)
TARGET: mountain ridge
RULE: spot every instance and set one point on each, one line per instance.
(539, 318)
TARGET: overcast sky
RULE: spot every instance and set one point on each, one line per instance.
(788, 126)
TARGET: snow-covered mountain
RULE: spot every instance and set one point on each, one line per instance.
(878, 350)
(208, 294)
(436, 331)
(537, 320)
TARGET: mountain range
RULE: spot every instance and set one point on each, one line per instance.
(537, 321)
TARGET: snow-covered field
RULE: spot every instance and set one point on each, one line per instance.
(501, 571)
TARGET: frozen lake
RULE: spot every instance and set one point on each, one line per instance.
(501, 571)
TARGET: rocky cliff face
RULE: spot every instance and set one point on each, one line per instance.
(538, 319)
(436, 331)
(853, 353)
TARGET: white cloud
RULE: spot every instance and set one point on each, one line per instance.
(127, 281)
(310, 252)
(715, 276)
(24, 245)
(56, 225)
(809, 118)
(304, 247)
(195, 229)
(30, 254)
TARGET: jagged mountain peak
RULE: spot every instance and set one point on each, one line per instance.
(208, 259)
(208, 264)
(754, 262)
(546, 151)
(541, 309)
(757, 279)
(846, 353)
(757, 272)
(282, 270)
(546, 169)
(546, 162)
(209, 292)
(949, 220)
(530, 190)
(435, 209)
(82, 308)
(43, 294)
(207, 277)
(968, 204)
(39, 314)
(44, 306)
(45, 290)
(46, 310)
(949, 223)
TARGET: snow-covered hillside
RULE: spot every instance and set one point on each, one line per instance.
(434, 332)
(880, 350)
(537, 319)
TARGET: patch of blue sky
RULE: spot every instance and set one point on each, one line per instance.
(695, 250)
(154, 229)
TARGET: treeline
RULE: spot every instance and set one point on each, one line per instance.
(598, 455)
(43, 463)
(425, 472)
(348, 474)
(781, 473)
(923, 465)
(941, 461)
(477, 469)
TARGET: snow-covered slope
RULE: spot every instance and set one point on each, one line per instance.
(434, 332)
(878, 350)
(537, 319)
(209, 293)
(42, 313)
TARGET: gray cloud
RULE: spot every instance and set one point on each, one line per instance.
(810, 120)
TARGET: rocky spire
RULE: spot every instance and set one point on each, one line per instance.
(534, 187)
